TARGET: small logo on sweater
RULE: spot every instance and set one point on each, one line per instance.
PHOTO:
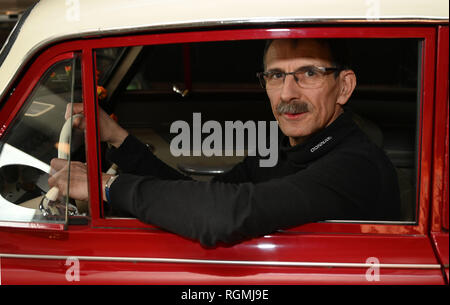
(321, 144)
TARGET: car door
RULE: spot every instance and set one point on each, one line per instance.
(439, 227)
(104, 247)
(35, 132)
(335, 251)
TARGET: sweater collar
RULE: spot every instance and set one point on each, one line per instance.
(319, 143)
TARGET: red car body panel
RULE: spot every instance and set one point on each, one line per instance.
(441, 243)
(156, 250)
(440, 211)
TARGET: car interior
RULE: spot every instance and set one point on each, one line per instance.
(150, 87)
(147, 88)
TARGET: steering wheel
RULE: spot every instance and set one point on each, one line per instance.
(49, 204)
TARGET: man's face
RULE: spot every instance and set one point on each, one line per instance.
(320, 105)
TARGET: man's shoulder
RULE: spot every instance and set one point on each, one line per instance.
(358, 150)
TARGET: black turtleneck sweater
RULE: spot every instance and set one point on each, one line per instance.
(338, 173)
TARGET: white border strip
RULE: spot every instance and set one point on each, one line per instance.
(221, 262)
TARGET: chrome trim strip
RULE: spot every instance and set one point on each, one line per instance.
(221, 262)
(378, 222)
(381, 222)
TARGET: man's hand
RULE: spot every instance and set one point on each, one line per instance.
(78, 178)
(110, 131)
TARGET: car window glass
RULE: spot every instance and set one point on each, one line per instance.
(107, 60)
(32, 140)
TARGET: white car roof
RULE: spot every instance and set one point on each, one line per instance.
(53, 20)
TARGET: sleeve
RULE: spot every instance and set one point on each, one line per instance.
(134, 157)
(214, 212)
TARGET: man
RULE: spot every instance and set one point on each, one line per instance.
(327, 167)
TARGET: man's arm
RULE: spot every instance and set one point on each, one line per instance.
(213, 212)
(127, 152)
(134, 157)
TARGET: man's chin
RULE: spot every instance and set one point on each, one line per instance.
(293, 128)
(294, 133)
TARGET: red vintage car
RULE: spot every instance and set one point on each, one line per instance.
(150, 63)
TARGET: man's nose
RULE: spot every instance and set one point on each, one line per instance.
(290, 89)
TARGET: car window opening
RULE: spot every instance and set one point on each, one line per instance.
(166, 83)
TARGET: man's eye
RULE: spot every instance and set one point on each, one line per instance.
(275, 75)
(310, 72)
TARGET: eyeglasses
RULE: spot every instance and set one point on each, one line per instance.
(307, 77)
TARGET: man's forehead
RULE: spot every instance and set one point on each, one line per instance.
(286, 49)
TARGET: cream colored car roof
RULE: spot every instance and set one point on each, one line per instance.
(54, 20)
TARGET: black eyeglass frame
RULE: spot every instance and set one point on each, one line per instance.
(324, 70)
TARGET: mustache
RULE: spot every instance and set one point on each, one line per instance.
(292, 107)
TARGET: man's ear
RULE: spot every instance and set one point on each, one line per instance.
(347, 83)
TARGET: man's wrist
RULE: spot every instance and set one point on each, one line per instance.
(119, 138)
(107, 182)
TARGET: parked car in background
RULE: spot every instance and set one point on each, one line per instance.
(151, 63)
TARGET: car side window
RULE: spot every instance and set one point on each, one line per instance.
(32, 140)
(217, 78)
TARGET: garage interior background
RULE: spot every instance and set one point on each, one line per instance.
(10, 11)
